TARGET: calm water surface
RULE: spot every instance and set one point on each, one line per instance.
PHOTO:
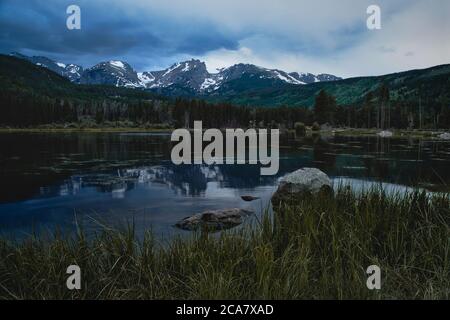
(46, 180)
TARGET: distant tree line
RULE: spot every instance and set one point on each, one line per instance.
(33, 110)
(26, 111)
(185, 112)
(378, 110)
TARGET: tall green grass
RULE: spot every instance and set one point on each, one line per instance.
(319, 248)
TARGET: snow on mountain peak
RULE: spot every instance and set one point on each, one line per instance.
(145, 78)
(172, 68)
(207, 83)
(287, 78)
(117, 63)
(190, 74)
(187, 67)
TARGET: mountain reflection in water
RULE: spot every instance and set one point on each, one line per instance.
(48, 178)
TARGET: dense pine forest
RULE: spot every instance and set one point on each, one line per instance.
(33, 96)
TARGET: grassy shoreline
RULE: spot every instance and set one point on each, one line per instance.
(397, 133)
(349, 132)
(317, 249)
(80, 130)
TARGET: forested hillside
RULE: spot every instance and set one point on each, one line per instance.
(31, 95)
(431, 85)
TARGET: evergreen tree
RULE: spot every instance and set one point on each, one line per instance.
(324, 107)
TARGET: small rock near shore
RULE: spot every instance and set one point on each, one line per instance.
(214, 220)
(249, 198)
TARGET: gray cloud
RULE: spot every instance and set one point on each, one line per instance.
(296, 35)
(107, 31)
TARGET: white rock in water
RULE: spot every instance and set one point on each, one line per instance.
(385, 134)
(310, 180)
(444, 136)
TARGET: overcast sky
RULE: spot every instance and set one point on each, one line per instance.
(319, 36)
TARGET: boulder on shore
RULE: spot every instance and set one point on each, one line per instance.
(301, 183)
(444, 136)
(385, 134)
(214, 220)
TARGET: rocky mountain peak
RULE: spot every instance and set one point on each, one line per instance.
(187, 76)
(72, 71)
(113, 72)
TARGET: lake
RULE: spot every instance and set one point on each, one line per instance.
(51, 180)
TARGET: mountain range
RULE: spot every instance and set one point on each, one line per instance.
(244, 84)
(71, 71)
(188, 78)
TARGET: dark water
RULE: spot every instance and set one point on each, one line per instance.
(46, 180)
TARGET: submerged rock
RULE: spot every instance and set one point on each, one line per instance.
(249, 198)
(214, 220)
(301, 183)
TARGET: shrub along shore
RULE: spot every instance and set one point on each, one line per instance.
(318, 248)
